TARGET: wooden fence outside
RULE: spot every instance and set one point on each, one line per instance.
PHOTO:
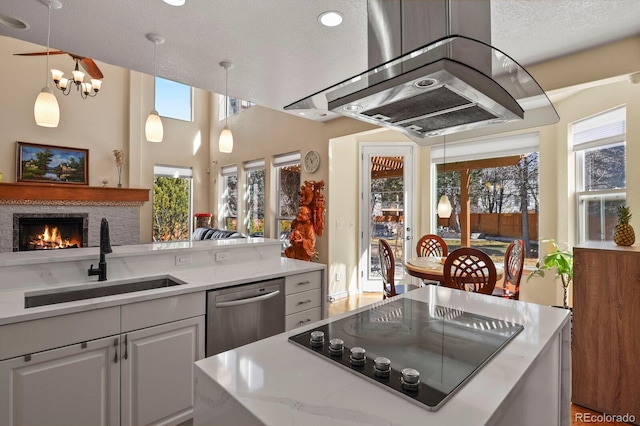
(503, 225)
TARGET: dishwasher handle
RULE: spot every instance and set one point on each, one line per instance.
(248, 300)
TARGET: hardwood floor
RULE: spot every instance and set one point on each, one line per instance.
(579, 415)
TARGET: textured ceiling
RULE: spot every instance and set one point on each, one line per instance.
(279, 50)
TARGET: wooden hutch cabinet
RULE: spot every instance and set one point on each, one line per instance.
(606, 328)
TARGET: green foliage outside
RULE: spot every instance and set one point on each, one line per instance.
(171, 209)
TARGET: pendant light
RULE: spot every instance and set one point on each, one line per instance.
(225, 143)
(46, 110)
(444, 205)
(153, 128)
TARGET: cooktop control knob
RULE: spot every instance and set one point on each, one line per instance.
(317, 339)
(410, 379)
(357, 357)
(336, 346)
(381, 366)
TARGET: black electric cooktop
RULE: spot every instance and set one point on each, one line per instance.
(421, 352)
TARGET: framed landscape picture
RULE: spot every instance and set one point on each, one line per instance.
(52, 164)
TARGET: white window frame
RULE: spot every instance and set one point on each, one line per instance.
(603, 130)
(224, 113)
(225, 173)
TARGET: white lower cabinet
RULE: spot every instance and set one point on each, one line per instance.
(139, 376)
(71, 385)
(157, 372)
(303, 302)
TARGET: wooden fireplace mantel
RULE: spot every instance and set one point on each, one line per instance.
(70, 194)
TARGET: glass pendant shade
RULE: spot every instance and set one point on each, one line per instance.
(153, 128)
(444, 207)
(46, 110)
(225, 143)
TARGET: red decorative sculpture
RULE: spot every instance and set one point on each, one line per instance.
(308, 223)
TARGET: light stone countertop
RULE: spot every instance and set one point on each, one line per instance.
(254, 261)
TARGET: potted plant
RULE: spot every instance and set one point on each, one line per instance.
(562, 262)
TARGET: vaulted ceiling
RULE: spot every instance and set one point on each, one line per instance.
(279, 50)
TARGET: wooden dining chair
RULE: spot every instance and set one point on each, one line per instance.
(513, 266)
(431, 245)
(470, 269)
(388, 271)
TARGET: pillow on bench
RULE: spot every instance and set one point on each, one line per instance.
(214, 234)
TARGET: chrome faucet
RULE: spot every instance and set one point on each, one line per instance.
(105, 247)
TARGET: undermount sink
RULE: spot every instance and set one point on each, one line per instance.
(89, 291)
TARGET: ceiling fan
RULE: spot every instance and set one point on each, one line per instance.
(87, 63)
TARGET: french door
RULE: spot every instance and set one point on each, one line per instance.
(386, 208)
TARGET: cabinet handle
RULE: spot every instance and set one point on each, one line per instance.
(304, 301)
(126, 350)
(304, 282)
(303, 321)
(115, 347)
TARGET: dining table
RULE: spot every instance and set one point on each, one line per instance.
(431, 268)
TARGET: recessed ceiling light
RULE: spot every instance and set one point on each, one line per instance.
(425, 83)
(175, 2)
(330, 18)
(352, 108)
(13, 22)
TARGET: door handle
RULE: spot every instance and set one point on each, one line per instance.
(115, 347)
(126, 346)
(248, 300)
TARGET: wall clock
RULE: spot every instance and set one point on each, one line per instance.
(311, 161)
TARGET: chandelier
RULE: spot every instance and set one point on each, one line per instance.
(90, 89)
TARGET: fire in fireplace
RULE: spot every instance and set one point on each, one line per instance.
(52, 239)
(49, 232)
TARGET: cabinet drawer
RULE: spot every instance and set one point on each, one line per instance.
(303, 282)
(159, 311)
(302, 318)
(42, 334)
(301, 301)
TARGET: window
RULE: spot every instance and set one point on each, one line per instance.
(172, 202)
(599, 143)
(173, 100)
(234, 106)
(229, 209)
(287, 193)
(503, 193)
(255, 178)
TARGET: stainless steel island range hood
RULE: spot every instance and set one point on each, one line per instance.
(455, 83)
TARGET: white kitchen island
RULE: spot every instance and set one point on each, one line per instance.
(276, 382)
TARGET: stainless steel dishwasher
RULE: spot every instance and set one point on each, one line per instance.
(243, 314)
